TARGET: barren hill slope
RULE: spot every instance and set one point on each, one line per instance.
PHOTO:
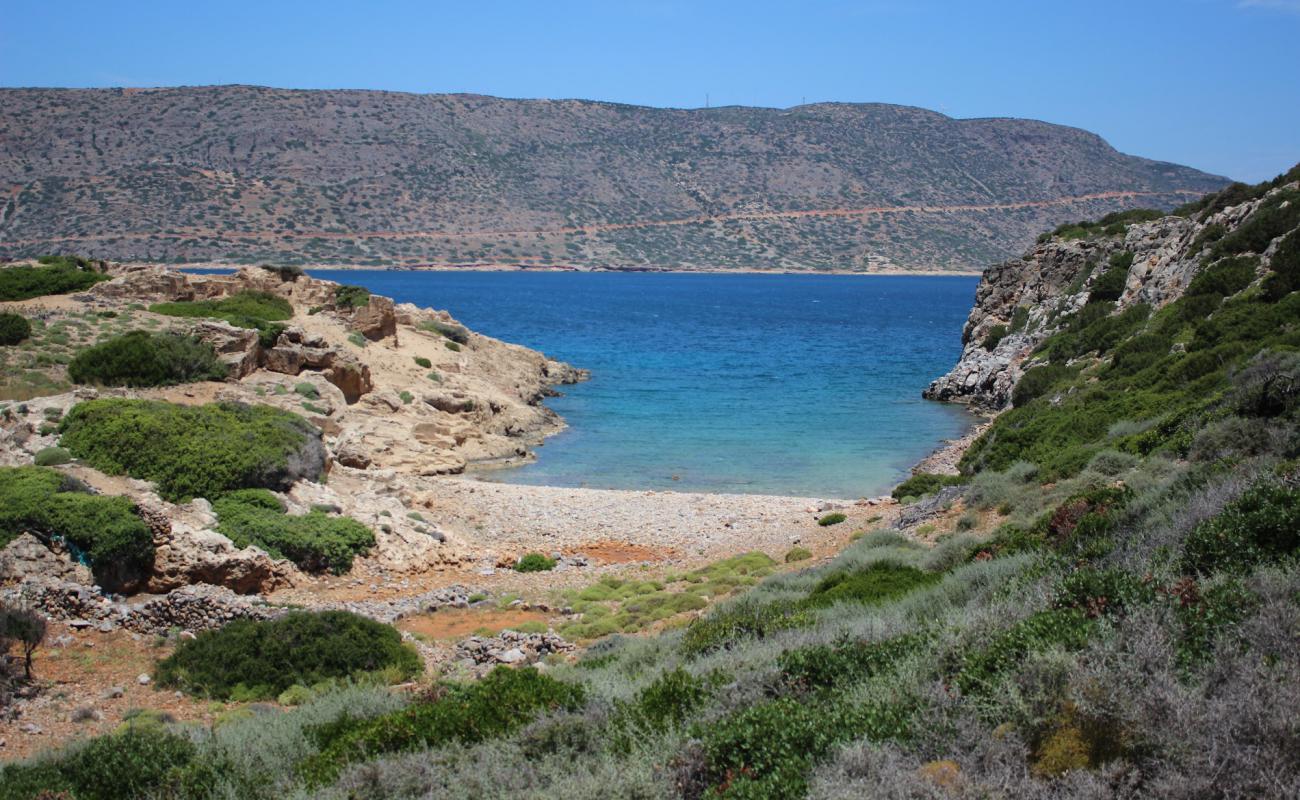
(242, 174)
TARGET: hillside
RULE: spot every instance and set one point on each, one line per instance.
(245, 174)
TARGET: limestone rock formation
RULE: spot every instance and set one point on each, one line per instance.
(1030, 295)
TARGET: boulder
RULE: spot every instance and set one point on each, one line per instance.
(191, 556)
(28, 556)
(237, 348)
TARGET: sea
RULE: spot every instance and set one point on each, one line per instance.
(805, 385)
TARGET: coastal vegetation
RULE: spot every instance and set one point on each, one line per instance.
(259, 659)
(194, 451)
(104, 531)
(14, 328)
(143, 358)
(317, 541)
(260, 311)
(53, 275)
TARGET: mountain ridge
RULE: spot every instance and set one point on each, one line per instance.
(239, 174)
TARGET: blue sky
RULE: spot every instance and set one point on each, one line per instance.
(1210, 83)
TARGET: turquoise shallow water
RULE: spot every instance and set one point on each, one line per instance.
(805, 385)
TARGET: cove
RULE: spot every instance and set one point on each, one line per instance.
(752, 383)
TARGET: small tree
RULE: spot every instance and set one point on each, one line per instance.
(27, 628)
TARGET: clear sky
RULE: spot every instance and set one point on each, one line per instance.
(1210, 83)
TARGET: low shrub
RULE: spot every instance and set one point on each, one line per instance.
(981, 667)
(258, 311)
(452, 346)
(832, 666)
(923, 483)
(1110, 284)
(834, 518)
(766, 751)
(52, 457)
(55, 275)
(421, 361)
(499, 703)
(1260, 527)
(1099, 592)
(122, 766)
(743, 619)
(14, 328)
(287, 273)
(535, 562)
(346, 296)
(795, 554)
(994, 337)
(316, 541)
(307, 390)
(142, 358)
(260, 659)
(104, 531)
(876, 583)
(194, 451)
(1224, 278)
(456, 333)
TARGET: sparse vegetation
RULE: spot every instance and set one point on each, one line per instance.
(260, 311)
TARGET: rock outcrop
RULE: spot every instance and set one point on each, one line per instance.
(1027, 298)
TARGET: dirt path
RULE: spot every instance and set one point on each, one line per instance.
(739, 216)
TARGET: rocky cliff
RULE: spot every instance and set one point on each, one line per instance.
(245, 174)
(1021, 302)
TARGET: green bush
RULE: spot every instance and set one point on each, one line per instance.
(873, 584)
(52, 457)
(494, 706)
(923, 483)
(307, 390)
(1260, 527)
(981, 667)
(796, 554)
(834, 518)
(766, 751)
(141, 358)
(258, 311)
(1224, 278)
(194, 451)
(315, 541)
(742, 620)
(830, 667)
(288, 273)
(104, 531)
(1097, 592)
(14, 328)
(452, 346)
(421, 361)
(259, 659)
(1110, 284)
(995, 335)
(535, 562)
(121, 766)
(346, 296)
(457, 333)
(56, 275)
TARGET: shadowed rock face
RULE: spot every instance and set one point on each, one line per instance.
(386, 178)
(1053, 279)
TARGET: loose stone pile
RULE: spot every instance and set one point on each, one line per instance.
(192, 608)
(391, 610)
(510, 647)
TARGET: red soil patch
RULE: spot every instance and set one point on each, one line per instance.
(612, 552)
(457, 623)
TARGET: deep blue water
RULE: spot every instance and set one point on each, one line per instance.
(782, 384)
